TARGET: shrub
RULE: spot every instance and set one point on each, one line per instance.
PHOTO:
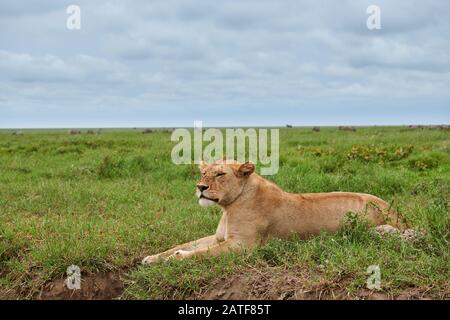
(112, 168)
(379, 154)
(424, 162)
(109, 168)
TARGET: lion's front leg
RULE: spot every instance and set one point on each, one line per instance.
(193, 245)
(213, 250)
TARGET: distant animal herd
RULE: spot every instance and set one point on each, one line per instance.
(412, 126)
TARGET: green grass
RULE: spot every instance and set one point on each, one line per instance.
(104, 201)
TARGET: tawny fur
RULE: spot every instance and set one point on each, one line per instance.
(255, 210)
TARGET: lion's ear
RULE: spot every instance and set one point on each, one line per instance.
(201, 164)
(246, 169)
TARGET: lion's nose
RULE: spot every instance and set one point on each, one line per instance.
(202, 187)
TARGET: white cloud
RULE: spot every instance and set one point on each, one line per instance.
(197, 55)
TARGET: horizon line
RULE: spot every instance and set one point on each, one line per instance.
(287, 126)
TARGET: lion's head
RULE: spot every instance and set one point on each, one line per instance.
(222, 182)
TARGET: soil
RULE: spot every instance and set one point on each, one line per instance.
(100, 286)
(268, 283)
(278, 284)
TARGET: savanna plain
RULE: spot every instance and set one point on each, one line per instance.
(105, 199)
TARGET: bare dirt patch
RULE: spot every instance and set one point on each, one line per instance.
(267, 283)
(8, 294)
(272, 283)
(99, 286)
(275, 283)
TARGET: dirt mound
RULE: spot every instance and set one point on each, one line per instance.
(100, 286)
(8, 295)
(271, 283)
(275, 283)
(262, 283)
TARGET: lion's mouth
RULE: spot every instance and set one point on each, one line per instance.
(211, 199)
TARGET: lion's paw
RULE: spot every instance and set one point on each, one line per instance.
(386, 229)
(151, 259)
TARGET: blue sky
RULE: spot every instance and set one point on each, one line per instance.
(228, 63)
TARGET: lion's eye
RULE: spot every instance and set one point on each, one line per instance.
(220, 174)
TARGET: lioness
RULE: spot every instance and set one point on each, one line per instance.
(255, 210)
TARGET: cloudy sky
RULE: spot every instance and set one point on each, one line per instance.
(240, 63)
